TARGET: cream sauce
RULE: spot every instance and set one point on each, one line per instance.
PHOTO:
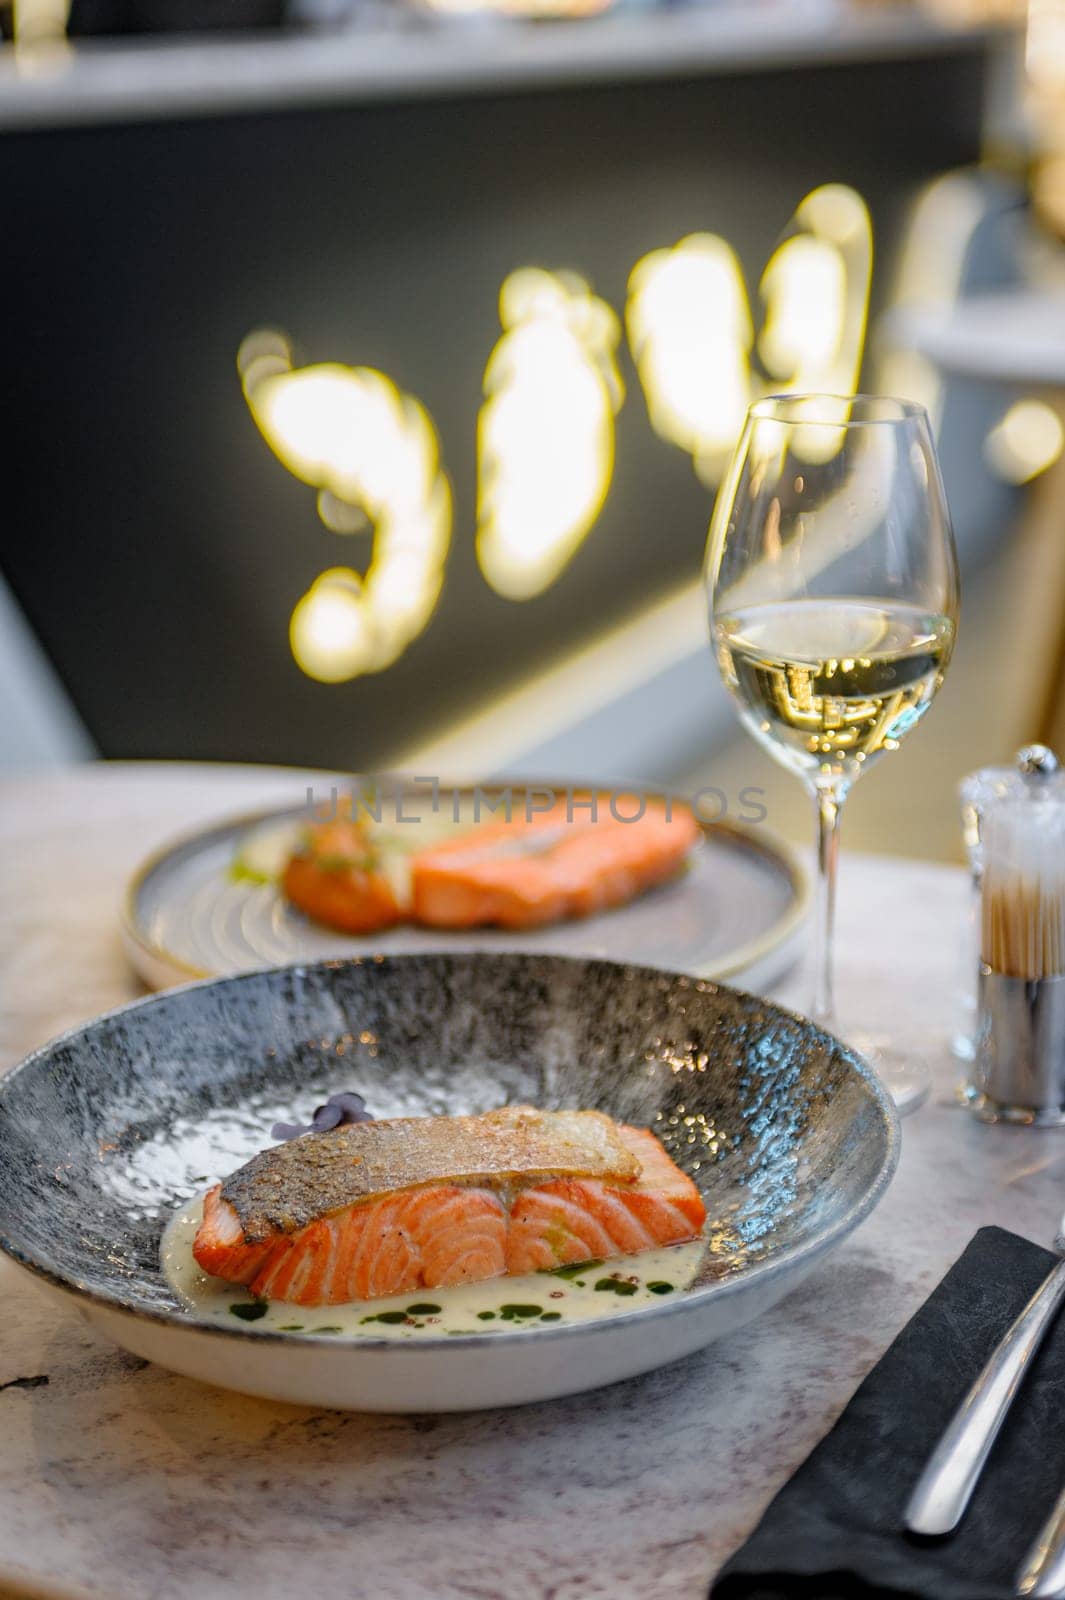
(500, 1305)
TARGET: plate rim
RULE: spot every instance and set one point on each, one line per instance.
(689, 1300)
(149, 956)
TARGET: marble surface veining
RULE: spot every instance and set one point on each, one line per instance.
(119, 1479)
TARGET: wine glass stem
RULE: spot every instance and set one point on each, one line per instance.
(830, 797)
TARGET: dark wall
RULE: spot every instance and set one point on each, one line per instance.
(156, 544)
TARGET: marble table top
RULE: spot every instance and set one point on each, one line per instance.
(119, 1479)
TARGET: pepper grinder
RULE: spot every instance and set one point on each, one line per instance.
(1018, 1072)
(1033, 766)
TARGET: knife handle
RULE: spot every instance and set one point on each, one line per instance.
(945, 1486)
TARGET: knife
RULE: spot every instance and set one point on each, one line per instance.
(945, 1487)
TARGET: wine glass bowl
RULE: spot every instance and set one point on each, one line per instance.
(833, 590)
(828, 686)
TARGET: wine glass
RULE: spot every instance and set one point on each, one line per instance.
(833, 588)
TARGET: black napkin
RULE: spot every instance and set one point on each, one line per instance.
(834, 1532)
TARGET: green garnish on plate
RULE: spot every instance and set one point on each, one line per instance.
(573, 1271)
(263, 853)
(250, 1310)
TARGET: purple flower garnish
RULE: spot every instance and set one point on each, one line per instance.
(286, 1130)
(338, 1111)
(326, 1117)
(352, 1107)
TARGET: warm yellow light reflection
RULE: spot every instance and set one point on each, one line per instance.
(1027, 441)
(545, 434)
(1048, 190)
(816, 290)
(39, 35)
(690, 327)
(328, 627)
(39, 21)
(1045, 61)
(690, 332)
(372, 454)
(803, 286)
(1045, 44)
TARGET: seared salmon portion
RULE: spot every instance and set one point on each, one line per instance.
(335, 877)
(512, 1218)
(428, 1238)
(584, 1219)
(292, 1184)
(531, 871)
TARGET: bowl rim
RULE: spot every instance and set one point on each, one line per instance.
(688, 1301)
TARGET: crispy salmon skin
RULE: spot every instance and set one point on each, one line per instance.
(383, 1208)
(292, 1184)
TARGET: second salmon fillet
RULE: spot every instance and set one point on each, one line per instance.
(526, 872)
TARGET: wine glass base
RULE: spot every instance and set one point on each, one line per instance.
(904, 1075)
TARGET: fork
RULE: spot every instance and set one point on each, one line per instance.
(945, 1487)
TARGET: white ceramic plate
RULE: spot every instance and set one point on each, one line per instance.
(738, 911)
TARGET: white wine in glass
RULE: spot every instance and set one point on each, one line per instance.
(833, 591)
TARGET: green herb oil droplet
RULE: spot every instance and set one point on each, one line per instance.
(250, 1310)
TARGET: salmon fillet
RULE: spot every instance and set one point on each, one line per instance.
(504, 1219)
(586, 1219)
(290, 1185)
(335, 877)
(527, 872)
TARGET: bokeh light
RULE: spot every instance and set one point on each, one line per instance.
(328, 631)
(816, 290)
(372, 454)
(545, 434)
(1027, 441)
(690, 332)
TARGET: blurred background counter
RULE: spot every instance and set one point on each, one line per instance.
(142, 61)
(367, 385)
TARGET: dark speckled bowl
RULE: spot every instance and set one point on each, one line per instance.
(104, 1132)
